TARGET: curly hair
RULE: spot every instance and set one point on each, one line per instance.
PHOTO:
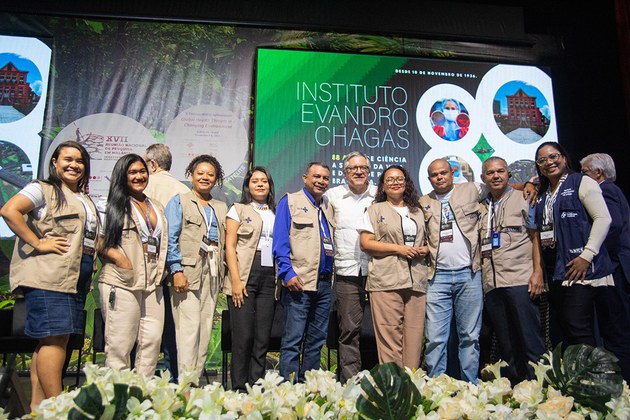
(544, 181)
(410, 196)
(206, 159)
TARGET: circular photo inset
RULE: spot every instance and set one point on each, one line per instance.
(522, 170)
(449, 119)
(462, 171)
(521, 112)
(20, 87)
(16, 170)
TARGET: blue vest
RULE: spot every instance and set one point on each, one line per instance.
(572, 225)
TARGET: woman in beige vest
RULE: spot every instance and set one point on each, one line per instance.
(251, 284)
(53, 260)
(134, 251)
(196, 241)
(393, 234)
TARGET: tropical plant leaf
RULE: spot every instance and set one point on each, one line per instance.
(89, 401)
(75, 414)
(589, 374)
(121, 395)
(136, 391)
(391, 396)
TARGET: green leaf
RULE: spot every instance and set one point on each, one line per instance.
(589, 374)
(136, 392)
(121, 395)
(89, 401)
(75, 414)
(392, 395)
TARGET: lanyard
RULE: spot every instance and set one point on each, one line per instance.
(208, 220)
(446, 211)
(493, 209)
(147, 213)
(321, 225)
(550, 201)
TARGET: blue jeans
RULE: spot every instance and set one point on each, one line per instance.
(305, 330)
(456, 293)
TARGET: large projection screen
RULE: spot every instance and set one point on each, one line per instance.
(319, 106)
(24, 70)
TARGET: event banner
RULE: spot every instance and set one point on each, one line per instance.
(319, 106)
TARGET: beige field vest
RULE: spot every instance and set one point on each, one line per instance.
(193, 230)
(304, 236)
(394, 272)
(465, 204)
(52, 271)
(511, 263)
(144, 275)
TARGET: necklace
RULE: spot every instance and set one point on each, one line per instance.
(261, 207)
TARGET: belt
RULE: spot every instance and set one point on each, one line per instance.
(324, 277)
(213, 243)
(469, 267)
(351, 279)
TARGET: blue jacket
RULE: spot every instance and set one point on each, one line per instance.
(572, 226)
(618, 240)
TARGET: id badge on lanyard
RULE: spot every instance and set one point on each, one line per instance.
(152, 248)
(547, 237)
(266, 255)
(204, 247)
(446, 232)
(89, 242)
(486, 248)
(410, 240)
(328, 246)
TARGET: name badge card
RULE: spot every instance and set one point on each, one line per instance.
(328, 247)
(547, 236)
(486, 248)
(446, 232)
(152, 248)
(204, 246)
(496, 240)
(266, 256)
(89, 242)
(410, 240)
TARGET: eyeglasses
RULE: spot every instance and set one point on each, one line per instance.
(362, 168)
(551, 158)
(397, 180)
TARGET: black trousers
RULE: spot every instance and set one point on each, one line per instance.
(515, 320)
(251, 327)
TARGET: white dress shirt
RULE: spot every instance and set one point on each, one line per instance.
(349, 208)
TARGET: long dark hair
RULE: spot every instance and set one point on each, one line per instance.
(544, 181)
(118, 203)
(246, 195)
(410, 196)
(206, 159)
(53, 178)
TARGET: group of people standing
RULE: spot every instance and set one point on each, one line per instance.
(426, 264)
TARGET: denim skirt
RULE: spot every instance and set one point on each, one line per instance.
(50, 313)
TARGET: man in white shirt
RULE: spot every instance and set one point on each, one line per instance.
(349, 202)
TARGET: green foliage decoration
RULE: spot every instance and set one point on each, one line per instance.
(589, 374)
(89, 403)
(390, 394)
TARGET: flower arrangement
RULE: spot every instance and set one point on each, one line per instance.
(386, 392)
